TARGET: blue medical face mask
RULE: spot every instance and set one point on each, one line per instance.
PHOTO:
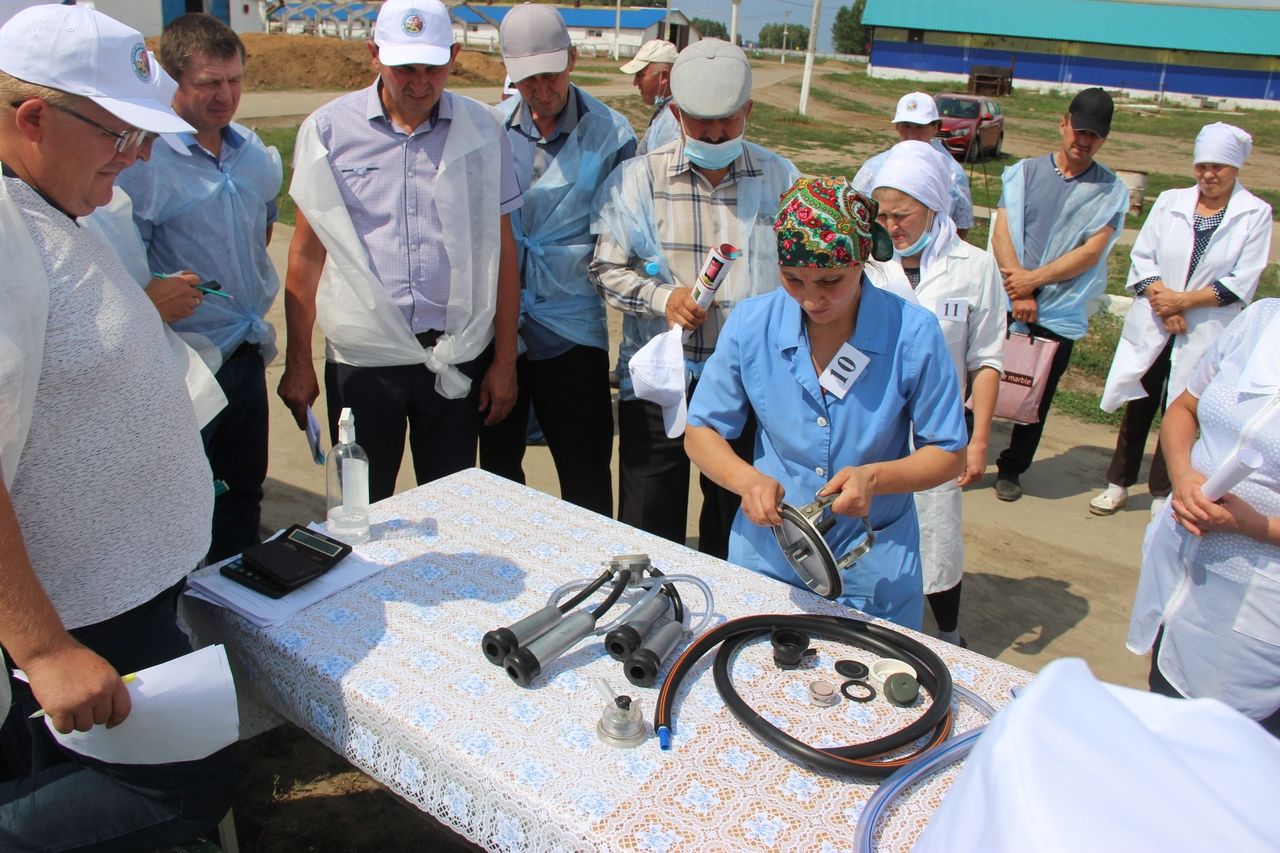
(926, 237)
(712, 155)
(915, 248)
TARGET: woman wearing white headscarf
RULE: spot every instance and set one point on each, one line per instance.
(1195, 267)
(960, 283)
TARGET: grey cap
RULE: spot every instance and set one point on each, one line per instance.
(534, 41)
(710, 79)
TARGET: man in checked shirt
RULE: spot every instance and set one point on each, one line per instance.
(669, 207)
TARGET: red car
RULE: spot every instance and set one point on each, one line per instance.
(971, 125)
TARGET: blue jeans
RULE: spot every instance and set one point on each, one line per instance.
(236, 443)
(53, 799)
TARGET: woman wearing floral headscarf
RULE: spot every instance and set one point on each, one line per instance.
(844, 379)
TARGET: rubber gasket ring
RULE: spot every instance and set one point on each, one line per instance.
(844, 690)
(852, 669)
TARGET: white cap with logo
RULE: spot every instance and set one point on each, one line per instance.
(81, 51)
(413, 32)
(658, 375)
(916, 108)
(534, 41)
(656, 50)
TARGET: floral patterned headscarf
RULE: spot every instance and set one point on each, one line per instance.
(824, 222)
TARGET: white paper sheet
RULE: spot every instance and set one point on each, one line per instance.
(183, 710)
(265, 612)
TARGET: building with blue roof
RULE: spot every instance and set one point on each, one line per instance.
(1218, 52)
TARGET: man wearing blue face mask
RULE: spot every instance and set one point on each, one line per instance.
(664, 210)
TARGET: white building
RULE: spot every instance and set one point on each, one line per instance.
(593, 30)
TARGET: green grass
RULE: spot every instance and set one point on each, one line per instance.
(282, 138)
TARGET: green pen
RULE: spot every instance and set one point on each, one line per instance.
(214, 290)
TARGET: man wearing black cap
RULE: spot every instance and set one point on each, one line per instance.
(1059, 217)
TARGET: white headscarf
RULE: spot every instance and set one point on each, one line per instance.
(919, 170)
(1222, 143)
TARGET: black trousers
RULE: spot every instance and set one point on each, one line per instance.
(1024, 440)
(442, 432)
(653, 480)
(236, 443)
(1132, 438)
(570, 396)
(55, 799)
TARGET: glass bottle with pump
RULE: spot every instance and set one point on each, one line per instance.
(347, 467)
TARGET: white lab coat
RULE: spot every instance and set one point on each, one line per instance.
(1217, 596)
(975, 339)
(1235, 257)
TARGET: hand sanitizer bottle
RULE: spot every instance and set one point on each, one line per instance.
(347, 468)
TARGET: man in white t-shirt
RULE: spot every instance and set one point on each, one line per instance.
(106, 497)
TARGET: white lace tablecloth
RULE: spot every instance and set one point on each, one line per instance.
(389, 674)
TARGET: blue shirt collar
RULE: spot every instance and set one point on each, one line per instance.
(870, 333)
(565, 122)
(230, 137)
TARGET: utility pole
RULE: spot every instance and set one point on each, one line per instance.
(786, 19)
(808, 56)
(733, 23)
(617, 29)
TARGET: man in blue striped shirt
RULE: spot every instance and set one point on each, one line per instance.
(403, 253)
(209, 207)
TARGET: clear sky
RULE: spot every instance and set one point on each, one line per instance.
(753, 14)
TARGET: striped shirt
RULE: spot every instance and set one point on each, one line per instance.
(387, 178)
(692, 217)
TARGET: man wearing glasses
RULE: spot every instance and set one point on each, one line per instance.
(210, 207)
(105, 494)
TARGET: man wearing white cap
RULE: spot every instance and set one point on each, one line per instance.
(565, 143)
(210, 208)
(651, 70)
(917, 118)
(105, 498)
(404, 255)
(665, 210)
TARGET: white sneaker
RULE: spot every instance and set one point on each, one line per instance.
(1111, 501)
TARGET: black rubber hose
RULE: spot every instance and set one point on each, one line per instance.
(619, 587)
(585, 593)
(669, 590)
(852, 760)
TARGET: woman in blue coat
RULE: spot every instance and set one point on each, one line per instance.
(854, 393)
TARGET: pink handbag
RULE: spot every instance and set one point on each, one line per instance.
(1027, 360)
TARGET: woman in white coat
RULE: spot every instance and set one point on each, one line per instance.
(1195, 267)
(960, 284)
(1209, 593)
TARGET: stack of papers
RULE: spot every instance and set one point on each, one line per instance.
(182, 710)
(265, 612)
